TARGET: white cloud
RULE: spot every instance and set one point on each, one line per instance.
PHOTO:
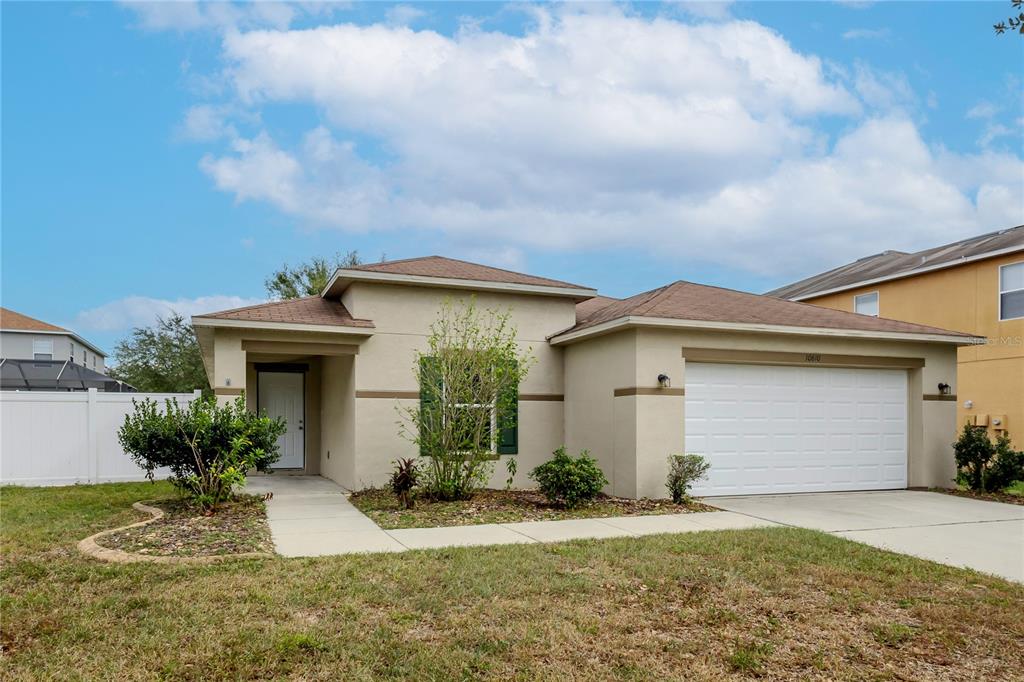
(604, 130)
(705, 9)
(224, 15)
(867, 34)
(206, 123)
(982, 110)
(404, 15)
(882, 89)
(142, 311)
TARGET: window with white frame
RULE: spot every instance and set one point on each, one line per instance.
(866, 304)
(42, 350)
(72, 356)
(1011, 291)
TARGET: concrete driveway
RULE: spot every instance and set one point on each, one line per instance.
(985, 536)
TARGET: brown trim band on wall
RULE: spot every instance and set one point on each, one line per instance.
(939, 396)
(648, 390)
(414, 395)
(227, 390)
(398, 395)
(756, 357)
(299, 347)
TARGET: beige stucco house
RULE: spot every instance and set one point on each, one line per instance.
(779, 396)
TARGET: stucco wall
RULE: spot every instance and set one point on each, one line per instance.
(402, 316)
(338, 426)
(632, 436)
(963, 298)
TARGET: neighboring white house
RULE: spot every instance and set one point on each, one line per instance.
(26, 338)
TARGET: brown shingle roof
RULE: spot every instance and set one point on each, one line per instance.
(896, 263)
(12, 320)
(590, 306)
(439, 266)
(308, 310)
(698, 302)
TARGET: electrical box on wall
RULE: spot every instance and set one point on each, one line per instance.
(999, 422)
(981, 420)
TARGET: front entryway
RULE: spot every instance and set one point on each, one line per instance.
(781, 429)
(281, 394)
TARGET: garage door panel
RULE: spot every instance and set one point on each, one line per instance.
(780, 429)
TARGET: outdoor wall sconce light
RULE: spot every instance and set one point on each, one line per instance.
(664, 381)
(968, 404)
(944, 388)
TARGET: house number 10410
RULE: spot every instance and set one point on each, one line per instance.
(812, 357)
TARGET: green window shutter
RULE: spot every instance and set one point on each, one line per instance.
(430, 396)
(508, 423)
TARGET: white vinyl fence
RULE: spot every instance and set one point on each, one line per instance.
(60, 438)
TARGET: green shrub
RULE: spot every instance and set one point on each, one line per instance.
(984, 466)
(569, 482)
(683, 472)
(208, 447)
(1007, 466)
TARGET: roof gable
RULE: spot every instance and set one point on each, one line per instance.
(311, 310)
(451, 268)
(13, 321)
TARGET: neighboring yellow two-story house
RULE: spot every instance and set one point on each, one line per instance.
(974, 286)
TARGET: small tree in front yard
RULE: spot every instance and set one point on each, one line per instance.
(469, 380)
(208, 448)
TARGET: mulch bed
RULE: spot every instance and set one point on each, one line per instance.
(1008, 498)
(239, 526)
(502, 506)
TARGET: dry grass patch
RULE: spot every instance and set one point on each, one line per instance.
(780, 603)
(502, 506)
(238, 527)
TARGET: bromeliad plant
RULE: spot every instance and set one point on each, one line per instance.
(208, 448)
(469, 380)
(404, 479)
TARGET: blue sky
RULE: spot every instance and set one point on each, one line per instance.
(166, 156)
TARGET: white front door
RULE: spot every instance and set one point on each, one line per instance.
(281, 395)
(768, 429)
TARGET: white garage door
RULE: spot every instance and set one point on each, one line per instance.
(773, 429)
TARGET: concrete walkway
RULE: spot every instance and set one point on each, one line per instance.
(310, 516)
(957, 531)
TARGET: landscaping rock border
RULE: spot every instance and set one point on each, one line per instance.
(90, 547)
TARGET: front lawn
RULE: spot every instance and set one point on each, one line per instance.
(775, 602)
(501, 506)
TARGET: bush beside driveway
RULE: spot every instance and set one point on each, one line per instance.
(780, 602)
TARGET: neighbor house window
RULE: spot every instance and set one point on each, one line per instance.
(866, 304)
(42, 350)
(72, 358)
(1011, 291)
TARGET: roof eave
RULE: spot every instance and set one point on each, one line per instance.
(620, 323)
(201, 321)
(903, 275)
(343, 277)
